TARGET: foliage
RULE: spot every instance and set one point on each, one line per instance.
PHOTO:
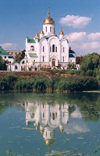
(19, 56)
(90, 64)
(2, 64)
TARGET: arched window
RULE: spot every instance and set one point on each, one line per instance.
(50, 49)
(43, 58)
(56, 49)
(63, 58)
(63, 49)
(53, 116)
(43, 48)
(16, 67)
(46, 29)
(53, 48)
(32, 48)
(50, 29)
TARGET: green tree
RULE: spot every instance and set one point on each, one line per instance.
(90, 64)
(19, 56)
(2, 64)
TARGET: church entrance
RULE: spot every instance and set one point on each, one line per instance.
(53, 62)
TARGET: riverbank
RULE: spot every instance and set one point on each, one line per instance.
(46, 82)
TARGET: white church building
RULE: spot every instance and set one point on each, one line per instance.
(46, 50)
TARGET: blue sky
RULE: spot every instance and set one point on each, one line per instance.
(19, 19)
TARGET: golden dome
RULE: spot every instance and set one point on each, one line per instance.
(41, 131)
(61, 130)
(49, 20)
(49, 141)
(36, 35)
(36, 127)
(42, 32)
(61, 33)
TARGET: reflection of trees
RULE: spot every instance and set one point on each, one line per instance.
(89, 105)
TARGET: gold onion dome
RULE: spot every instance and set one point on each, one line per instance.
(49, 20)
(61, 130)
(42, 32)
(36, 35)
(49, 141)
(61, 33)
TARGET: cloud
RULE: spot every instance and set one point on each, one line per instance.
(8, 46)
(76, 127)
(94, 36)
(91, 45)
(76, 114)
(75, 21)
(76, 36)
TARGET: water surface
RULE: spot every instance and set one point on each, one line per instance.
(49, 124)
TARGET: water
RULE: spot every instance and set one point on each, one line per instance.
(49, 124)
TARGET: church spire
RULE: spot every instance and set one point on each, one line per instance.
(48, 11)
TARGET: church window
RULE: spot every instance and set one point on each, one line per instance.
(50, 49)
(16, 67)
(56, 49)
(43, 115)
(53, 116)
(46, 29)
(43, 48)
(56, 114)
(23, 62)
(53, 48)
(63, 49)
(43, 58)
(32, 48)
(50, 29)
(63, 58)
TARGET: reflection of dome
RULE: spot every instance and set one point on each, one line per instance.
(61, 130)
(36, 35)
(41, 131)
(61, 33)
(49, 20)
(49, 142)
(36, 127)
(42, 32)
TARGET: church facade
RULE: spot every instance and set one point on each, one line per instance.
(47, 50)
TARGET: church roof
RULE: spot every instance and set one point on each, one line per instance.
(71, 55)
(2, 51)
(30, 40)
(71, 51)
(33, 55)
(49, 20)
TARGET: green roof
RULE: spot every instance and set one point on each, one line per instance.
(33, 55)
(3, 52)
(46, 37)
(30, 40)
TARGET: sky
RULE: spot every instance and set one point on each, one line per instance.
(79, 19)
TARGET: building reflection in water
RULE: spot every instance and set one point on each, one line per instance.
(47, 117)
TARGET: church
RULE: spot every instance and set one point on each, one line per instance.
(46, 50)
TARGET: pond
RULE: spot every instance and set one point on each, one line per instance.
(49, 124)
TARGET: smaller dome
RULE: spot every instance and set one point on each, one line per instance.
(49, 141)
(61, 130)
(42, 32)
(36, 127)
(36, 35)
(61, 33)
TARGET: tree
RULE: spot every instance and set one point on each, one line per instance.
(3, 65)
(19, 56)
(90, 64)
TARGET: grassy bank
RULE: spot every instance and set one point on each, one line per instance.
(47, 83)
